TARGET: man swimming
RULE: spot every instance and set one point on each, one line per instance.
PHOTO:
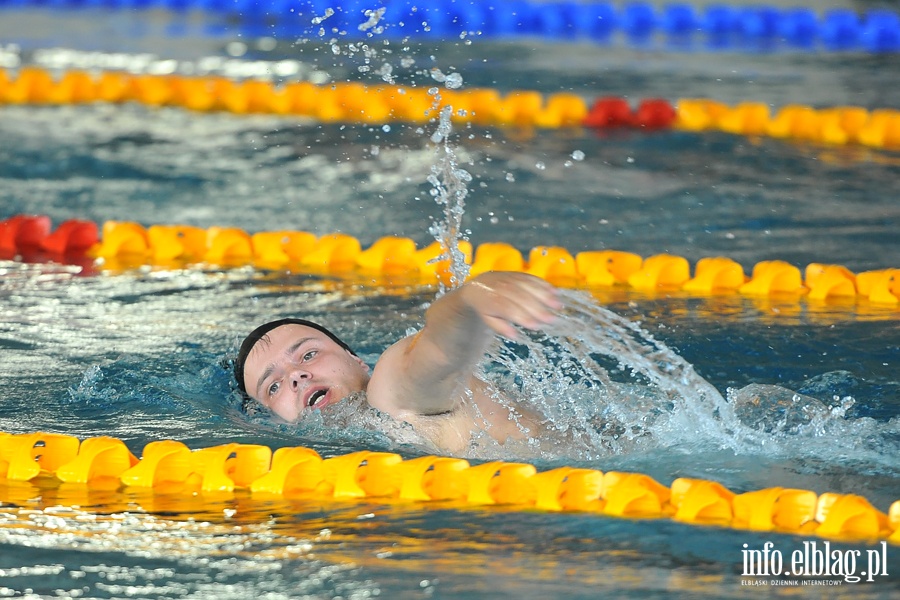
(427, 379)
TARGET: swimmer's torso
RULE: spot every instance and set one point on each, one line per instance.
(478, 413)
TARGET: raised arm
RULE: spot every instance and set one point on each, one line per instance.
(427, 373)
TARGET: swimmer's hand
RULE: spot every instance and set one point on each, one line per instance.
(429, 372)
(506, 299)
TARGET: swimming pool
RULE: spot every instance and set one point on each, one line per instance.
(137, 354)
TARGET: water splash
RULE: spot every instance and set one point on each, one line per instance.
(604, 386)
(374, 17)
(790, 424)
(351, 423)
(448, 180)
(449, 183)
(329, 12)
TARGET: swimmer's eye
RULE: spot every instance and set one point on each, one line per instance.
(309, 355)
(273, 389)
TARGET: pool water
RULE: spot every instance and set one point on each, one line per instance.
(139, 354)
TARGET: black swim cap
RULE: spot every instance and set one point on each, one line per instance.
(260, 332)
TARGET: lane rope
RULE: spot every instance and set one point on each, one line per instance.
(723, 27)
(127, 245)
(170, 467)
(354, 102)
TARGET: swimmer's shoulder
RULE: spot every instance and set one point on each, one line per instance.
(448, 430)
(388, 381)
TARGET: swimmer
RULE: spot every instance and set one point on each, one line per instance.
(426, 379)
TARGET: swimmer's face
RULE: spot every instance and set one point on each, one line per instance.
(295, 368)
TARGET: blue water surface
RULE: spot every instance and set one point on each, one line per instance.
(142, 354)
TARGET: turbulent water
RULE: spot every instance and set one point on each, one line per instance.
(606, 389)
(749, 392)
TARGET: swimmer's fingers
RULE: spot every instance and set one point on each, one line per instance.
(503, 317)
(502, 327)
(507, 299)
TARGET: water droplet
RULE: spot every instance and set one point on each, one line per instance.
(386, 71)
(453, 81)
(578, 155)
(385, 128)
(462, 175)
(267, 44)
(510, 177)
(540, 166)
(374, 17)
(236, 49)
(328, 13)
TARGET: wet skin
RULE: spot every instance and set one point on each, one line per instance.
(295, 368)
(426, 379)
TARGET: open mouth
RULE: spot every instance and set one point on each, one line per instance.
(315, 397)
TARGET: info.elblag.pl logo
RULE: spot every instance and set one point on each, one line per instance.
(815, 563)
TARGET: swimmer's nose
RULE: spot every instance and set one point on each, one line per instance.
(298, 378)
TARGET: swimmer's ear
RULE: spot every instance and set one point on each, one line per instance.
(359, 360)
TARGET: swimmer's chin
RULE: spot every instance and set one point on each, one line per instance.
(339, 413)
(320, 399)
(332, 402)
